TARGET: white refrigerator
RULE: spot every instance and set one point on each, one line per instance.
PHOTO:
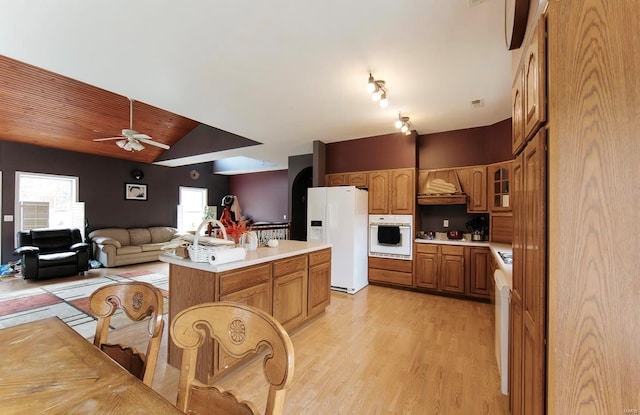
(339, 216)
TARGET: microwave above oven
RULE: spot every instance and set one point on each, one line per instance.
(391, 236)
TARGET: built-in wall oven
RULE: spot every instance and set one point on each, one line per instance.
(391, 236)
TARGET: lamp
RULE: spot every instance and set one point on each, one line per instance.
(378, 91)
(403, 124)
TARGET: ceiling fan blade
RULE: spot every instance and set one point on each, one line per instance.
(109, 138)
(140, 135)
(153, 143)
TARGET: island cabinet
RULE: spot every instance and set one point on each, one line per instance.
(319, 285)
(440, 268)
(291, 282)
(251, 286)
(290, 291)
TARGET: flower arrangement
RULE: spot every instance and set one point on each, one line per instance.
(235, 230)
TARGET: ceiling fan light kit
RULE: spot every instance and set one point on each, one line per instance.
(130, 139)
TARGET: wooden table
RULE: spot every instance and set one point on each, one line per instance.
(46, 367)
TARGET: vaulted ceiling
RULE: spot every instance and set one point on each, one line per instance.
(262, 79)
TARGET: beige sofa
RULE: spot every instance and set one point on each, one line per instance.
(114, 247)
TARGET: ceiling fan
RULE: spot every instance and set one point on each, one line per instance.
(130, 139)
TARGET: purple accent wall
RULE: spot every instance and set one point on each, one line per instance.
(389, 151)
(263, 197)
(468, 147)
(102, 182)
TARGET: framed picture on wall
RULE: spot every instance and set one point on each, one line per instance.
(135, 191)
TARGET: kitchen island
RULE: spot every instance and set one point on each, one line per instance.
(291, 282)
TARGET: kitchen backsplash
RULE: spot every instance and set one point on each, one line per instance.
(432, 217)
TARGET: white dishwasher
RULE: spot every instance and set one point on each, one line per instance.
(502, 297)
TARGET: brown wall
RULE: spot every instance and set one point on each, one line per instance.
(262, 196)
(468, 147)
(101, 183)
(381, 152)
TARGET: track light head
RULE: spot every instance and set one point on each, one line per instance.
(371, 85)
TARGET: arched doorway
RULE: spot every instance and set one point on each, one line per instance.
(301, 183)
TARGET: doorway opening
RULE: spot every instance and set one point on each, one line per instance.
(301, 183)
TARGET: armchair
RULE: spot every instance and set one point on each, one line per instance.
(50, 253)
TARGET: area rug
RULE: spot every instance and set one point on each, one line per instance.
(70, 302)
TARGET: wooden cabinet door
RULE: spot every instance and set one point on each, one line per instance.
(479, 278)
(319, 288)
(379, 192)
(515, 355)
(474, 183)
(402, 193)
(290, 298)
(500, 187)
(427, 270)
(452, 273)
(534, 281)
(535, 81)
(336, 179)
(517, 113)
(258, 296)
(359, 179)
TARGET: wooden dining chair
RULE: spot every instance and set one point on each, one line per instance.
(241, 330)
(138, 300)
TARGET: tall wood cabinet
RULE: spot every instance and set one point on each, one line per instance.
(529, 292)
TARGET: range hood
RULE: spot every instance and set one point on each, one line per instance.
(440, 187)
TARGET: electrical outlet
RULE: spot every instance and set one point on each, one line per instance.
(445, 223)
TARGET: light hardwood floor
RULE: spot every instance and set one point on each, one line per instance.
(380, 351)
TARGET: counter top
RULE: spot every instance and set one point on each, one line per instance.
(285, 249)
(462, 242)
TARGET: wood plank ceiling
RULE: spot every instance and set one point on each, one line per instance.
(42, 108)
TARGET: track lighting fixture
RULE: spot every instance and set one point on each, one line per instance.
(403, 124)
(378, 91)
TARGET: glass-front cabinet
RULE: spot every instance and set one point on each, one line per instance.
(500, 178)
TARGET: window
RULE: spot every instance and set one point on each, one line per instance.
(191, 210)
(34, 191)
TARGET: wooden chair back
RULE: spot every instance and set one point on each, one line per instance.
(241, 330)
(138, 300)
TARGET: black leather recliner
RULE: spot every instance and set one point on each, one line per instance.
(50, 253)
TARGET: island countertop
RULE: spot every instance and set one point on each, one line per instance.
(285, 249)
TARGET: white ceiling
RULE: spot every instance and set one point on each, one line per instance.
(284, 73)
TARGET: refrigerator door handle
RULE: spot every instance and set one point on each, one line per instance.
(328, 221)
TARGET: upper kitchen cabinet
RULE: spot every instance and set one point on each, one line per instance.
(336, 179)
(499, 187)
(358, 179)
(517, 109)
(392, 192)
(474, 183)
(535, 81)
